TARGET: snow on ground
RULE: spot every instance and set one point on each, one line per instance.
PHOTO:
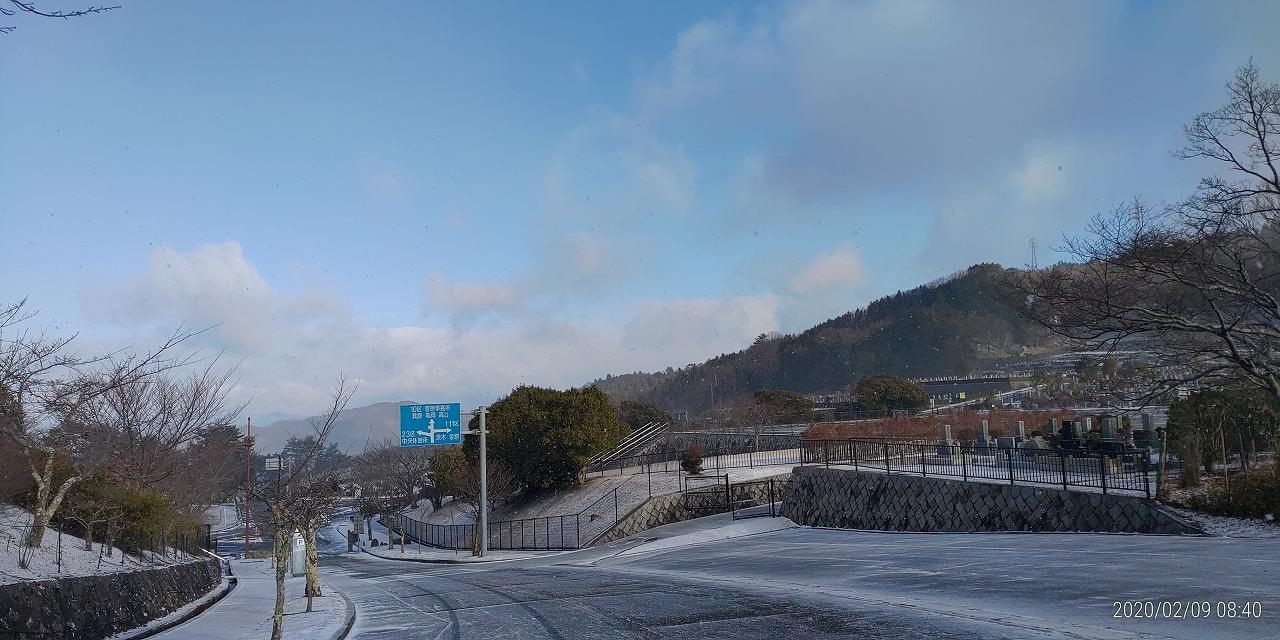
(595, 495)
(1229, 527)
(75, 559)
(451, 513)
(245, 614)
(734, 529)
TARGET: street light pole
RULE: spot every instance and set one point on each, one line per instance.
(484, 488)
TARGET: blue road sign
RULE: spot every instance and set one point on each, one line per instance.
(428, 424)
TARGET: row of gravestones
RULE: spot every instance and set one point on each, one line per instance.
(1070, 436)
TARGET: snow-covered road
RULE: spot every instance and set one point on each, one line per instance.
(751, 582)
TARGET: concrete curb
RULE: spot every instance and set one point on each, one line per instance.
(445, 561)
(351, 616)
(229, 583)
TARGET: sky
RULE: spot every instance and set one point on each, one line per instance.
(442, 201)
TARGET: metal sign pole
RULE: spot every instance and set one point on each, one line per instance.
(484, 488)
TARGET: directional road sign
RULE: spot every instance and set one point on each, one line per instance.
(428, 424)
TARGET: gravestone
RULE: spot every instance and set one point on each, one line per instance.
(1107, 425)
(985, 441)
(1006, 443)
(946, 447)
(1035, 443)
(1071, 435)
(1020, 431)
(1085, 425)
(1053, 427)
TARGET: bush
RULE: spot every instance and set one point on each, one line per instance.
(691, 461)
(545, 437)
(1252, 497)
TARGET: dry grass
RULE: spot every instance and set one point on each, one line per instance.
(964, 425)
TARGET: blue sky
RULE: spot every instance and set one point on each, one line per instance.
(444, 200)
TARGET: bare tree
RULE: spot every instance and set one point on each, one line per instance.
(302, 498)
(394, 475)
(1196, 284)
(502, 484)
(51, 386)
(140, 428)
(30, 9)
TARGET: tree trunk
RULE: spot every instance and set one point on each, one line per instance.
(313, 580)
(45, 507)
(281, 548)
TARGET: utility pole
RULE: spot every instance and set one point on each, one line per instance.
(483, 531)
(248, 479)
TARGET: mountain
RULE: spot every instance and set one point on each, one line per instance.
(353, 428)
(946, 327)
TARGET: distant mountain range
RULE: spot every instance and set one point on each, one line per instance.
(951, 326)
(353, 429)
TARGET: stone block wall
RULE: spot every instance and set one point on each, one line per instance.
(849, 499)
(94, 607)
(660, 510)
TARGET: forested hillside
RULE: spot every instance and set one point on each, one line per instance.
(942, 328)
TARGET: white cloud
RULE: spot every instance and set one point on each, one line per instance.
(677, 327)
(212, 285)
(291, 348)
(457, 297)
(1041, 179)
(839, 269)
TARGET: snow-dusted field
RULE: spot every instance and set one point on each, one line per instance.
(74, 560)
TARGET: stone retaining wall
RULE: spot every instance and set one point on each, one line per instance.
(94, 607)
(849, 499)
(660, 510)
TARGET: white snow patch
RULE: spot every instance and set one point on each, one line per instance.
(1228, 527)
(74, 559)
(735, 530)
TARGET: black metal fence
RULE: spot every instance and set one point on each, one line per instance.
(779, 450)
(570, 531)
(1129, 472)
(746, 497)
(706, 495)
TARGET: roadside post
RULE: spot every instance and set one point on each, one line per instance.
(483, 528)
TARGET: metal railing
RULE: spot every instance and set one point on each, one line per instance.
(558, 532)
(1129, 472)
(779, 451)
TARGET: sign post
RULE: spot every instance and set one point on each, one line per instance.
(430, 424)
(483, 529)
(423, 425)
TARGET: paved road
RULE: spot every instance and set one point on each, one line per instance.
(805, 583)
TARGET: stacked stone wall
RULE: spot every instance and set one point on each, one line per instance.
(666, 509)
(849, 499)
(94, 607)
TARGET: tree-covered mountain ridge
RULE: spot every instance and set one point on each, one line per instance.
(946, 327)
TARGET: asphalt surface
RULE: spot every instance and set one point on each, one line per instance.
(810, 583)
